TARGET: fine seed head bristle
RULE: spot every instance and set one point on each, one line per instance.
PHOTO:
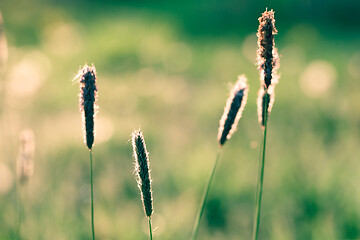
(265, 95)
(88, 98)
(267, 55)
(142, 171)
(268, 64)
(25, 159)
(233, 110)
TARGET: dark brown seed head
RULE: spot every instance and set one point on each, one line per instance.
(88, 106)
(25, 160)
(233, 110)
(267, 57)
(142, 171)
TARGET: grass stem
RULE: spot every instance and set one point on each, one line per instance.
(204, 197)
(92, 196)
(150, 229)
(260, 178)
(18, 210)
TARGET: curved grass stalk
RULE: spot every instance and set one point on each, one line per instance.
(204, 197)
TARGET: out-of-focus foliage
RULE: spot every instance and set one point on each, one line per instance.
(165, 66)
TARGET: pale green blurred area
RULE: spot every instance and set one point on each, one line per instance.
(167, 68)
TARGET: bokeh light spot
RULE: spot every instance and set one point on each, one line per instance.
(63, 39)
(27, 75)
(317, 79)
(104, 129)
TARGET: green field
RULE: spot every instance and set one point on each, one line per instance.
(166, 67)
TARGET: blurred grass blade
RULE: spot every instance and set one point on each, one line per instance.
(260, 178)
(204, 197)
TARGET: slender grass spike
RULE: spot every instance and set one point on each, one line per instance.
(88, 108)
(233, 110)
(268, 64)
(267, 54)
(232, 113)
(142, 172)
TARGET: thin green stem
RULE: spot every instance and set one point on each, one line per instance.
(92, 196)
(258, 175)
(150, 230)
(204, 197)
(260, 178)
(18, 209)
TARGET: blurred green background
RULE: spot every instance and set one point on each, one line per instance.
(165, 66)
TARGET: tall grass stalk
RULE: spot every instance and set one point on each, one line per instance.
(92, 196)
(204, 197)
(260, 180)
(234, 107)
(21, 200)
(24, 170)
(88, 108)
(18, 210)
(268, 63)
(143, 175)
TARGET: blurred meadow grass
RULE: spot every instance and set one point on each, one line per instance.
(166, 67)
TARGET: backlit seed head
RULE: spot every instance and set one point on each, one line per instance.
(142, 171)
(267, 54)
(233, 110)
(88, 98)
(25, 159)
